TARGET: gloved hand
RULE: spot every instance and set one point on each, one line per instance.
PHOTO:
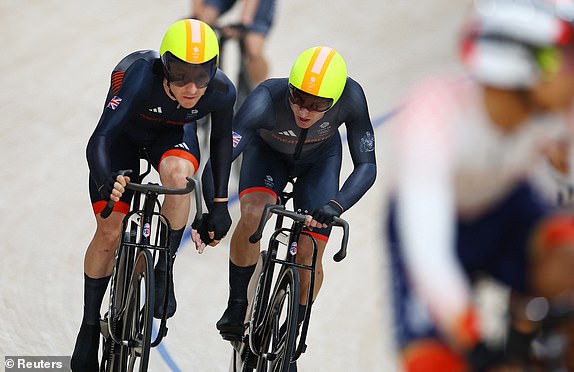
(108, 186)
(215, 224)
(327, 213)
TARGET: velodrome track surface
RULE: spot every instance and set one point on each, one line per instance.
(54, 76)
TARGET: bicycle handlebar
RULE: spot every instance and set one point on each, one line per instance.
(280, 210)
(192, 184)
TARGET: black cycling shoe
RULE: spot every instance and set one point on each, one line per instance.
(159, 276)
(231, 325)
(85, 356)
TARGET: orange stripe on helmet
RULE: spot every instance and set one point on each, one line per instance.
(316, 70)
(195, 35)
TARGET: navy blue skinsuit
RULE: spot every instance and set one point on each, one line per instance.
(139, 114)
(274, 148)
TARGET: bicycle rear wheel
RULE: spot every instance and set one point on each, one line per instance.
(279, 333)
(138, 317)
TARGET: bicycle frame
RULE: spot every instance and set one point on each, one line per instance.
(261, 309)
(137, 236)
(294, 234)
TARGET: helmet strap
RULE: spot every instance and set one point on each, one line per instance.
(169, 91)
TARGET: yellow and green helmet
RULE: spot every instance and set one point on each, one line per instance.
(189, 42)
(320, 71)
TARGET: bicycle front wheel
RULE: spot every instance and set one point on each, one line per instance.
(138, 317)
(279, 333)
(119, 284)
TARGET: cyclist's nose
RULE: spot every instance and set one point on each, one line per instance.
(191, 88)
(303, 111)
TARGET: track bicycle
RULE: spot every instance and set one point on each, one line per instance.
(127, 325)
(272, 325)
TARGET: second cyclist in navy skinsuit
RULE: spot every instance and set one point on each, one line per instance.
(152, 105)
(290, 128)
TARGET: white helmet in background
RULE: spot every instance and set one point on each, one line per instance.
(509, 43)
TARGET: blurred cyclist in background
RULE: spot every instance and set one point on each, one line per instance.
(289, 127)
(153, 103)
(555, 179)
(256, 18)
(461, 205)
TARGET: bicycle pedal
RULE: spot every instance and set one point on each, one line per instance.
(163, 331)
(231, 337)
(104, 330)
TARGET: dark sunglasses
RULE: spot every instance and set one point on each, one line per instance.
(181, 73)
(309, 101)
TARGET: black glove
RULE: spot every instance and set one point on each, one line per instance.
(217, 220)
(328, 212)
(201, 227)
(108, 186)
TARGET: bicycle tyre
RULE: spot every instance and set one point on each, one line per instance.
(279, 333)
(259, 293)
(138, 317)
(118, 289)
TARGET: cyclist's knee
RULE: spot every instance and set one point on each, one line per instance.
(305, 250)
(206, 13)
(174, 170)
(431, 355)
(107, 236)
(251, 216)
(252, 205)
(553, 256)
(254, 43)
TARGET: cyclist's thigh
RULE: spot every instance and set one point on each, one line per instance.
(412, 320)
(222, 6)
(262, 169)
(123, 155)
(179, 141)
(318, 179)
(318, 176)
(498, 243)
(264, 17)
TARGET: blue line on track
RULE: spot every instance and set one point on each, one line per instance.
(164, 353)
(232, 200)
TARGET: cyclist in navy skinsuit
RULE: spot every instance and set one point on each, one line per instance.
(152, 105)
(289, 127)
